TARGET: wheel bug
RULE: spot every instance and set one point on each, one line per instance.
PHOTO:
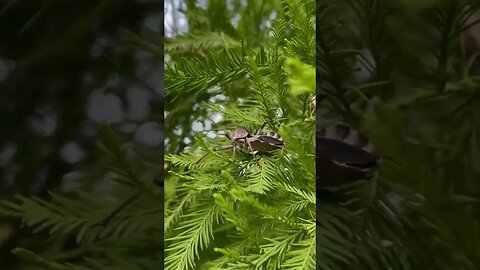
(256, 142)
(343, 156)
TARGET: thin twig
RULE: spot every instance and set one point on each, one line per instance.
(117, 210)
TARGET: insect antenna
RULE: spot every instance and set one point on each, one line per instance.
(228, 136)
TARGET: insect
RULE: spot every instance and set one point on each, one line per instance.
(343, 156)
(256, 142)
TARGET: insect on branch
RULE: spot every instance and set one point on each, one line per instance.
(257, 142)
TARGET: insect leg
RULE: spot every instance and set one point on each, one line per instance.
(223, 148)
(247, 142)
(217, 149)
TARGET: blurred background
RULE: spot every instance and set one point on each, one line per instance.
(65, 67)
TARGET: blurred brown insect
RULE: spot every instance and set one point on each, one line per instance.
(343, 156)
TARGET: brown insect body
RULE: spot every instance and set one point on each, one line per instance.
(240, 134)
(257, 142)
(266, 143)
(343, 156)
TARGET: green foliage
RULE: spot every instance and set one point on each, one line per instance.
(302, 77)
(78, 218)
(240, 212)
(390, 69)
(404, 73)
(201, 74)
(51, 203)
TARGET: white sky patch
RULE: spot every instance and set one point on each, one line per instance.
(217, 117)
(214, 89)
(202, 4)
(105, 108)
(216, 98)
(187, 140)
(6, 67)
(230, 5)
(44, 126)
(175, 21)
(150, 134)
(196, 106)
(153, 21)
(208, 124)
(235, 19)
(72, 153)
(211, 134)
(197, 126)
(138, 103)
(177, 131)
(7, 152)
(268, 23)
